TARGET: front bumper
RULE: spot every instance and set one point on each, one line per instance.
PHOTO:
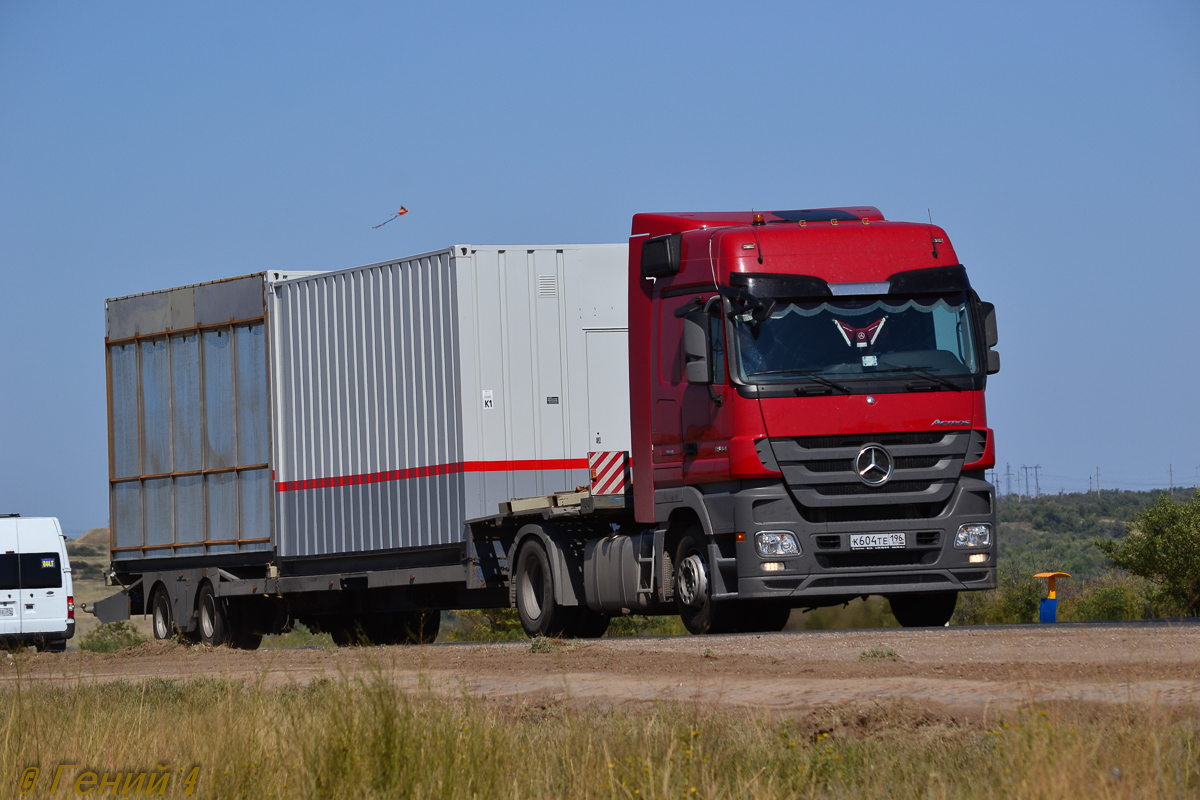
(828, 570)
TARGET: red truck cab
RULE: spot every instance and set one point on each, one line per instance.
(807, 411)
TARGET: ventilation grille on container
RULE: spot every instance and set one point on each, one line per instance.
(894, 487)
(547, 285)
(859, 439)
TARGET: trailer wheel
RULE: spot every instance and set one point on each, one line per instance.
(540, 614)
(162, 623)
(693, 589)
(214, 624)
(422, 627)
(923, 609)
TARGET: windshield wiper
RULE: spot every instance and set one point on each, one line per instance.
(924, 373)
(808, 375)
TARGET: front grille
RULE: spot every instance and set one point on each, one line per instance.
(891, 487)
(830, 465)
(872, 580)
(872, 513)
(968, 577)
(927, 538)
(859, 439)
(847, 464)
(828, 541)
(782, 583)
(876, 558)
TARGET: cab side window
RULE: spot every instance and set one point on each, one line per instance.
(716, 336)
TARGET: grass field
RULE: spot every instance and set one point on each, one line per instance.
(364, 737)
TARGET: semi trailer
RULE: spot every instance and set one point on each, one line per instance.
(731, 416)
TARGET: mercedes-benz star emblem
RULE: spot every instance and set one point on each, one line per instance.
(873, 465)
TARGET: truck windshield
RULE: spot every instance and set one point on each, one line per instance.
(857, 337)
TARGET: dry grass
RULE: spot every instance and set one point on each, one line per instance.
(368, 738)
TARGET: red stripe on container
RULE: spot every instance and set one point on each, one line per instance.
(435, 469)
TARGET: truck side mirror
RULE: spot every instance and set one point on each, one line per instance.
(661, 256)
(990, 332)
(696, 348)
(991, 335)
(993, 362)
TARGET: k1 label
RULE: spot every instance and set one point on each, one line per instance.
(487, 399)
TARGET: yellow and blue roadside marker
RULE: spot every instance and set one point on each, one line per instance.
(1048, 611)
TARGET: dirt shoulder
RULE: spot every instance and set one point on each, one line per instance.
(958, 670)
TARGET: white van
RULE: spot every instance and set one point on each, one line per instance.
(37, 602)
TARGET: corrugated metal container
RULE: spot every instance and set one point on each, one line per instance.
(367, 409)
(414, 394)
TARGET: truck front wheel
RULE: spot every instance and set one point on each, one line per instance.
(540, 614)
(923, 609)
(693, 588)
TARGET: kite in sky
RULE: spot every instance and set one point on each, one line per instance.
(399, 213)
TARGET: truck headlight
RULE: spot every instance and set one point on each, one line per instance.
(973, 534)
(776, 543)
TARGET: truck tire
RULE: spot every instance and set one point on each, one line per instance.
(693, 589)
(589, 624)
(160, 610)
(214, 623)
(923, 609)
(52, 646)
(540, 613)
(761, 617)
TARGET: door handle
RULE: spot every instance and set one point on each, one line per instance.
(690, 449)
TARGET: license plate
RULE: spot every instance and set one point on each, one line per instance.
(6, 612)
(876, 541)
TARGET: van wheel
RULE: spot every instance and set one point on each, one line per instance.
(214, 623)
(540, 614)
(923, 609)
(53, 646)
(164, 627)
(693, 588)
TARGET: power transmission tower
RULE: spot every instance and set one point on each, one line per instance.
(1171, 468)
(1097, 481)
(1018, 486)
(1008, 477)
(1037, 479)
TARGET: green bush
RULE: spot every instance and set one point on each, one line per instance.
(1113, 597)
(1163, 546)
(481, 625)
(111, 637)
(1014, 600)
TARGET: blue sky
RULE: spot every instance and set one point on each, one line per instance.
(147, 145)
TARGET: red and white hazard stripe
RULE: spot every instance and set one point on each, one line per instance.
(609, 471)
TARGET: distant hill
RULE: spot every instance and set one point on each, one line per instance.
(1058, 532)
(89, 554)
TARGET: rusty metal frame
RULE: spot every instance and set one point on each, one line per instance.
(231, 325)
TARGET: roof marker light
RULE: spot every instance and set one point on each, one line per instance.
(758, 219)
(866, 221)
(833, 222)
(803, 223)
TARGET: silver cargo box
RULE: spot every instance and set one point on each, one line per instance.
(368, 409)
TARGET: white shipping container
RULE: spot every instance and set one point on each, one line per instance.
(411, 395)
